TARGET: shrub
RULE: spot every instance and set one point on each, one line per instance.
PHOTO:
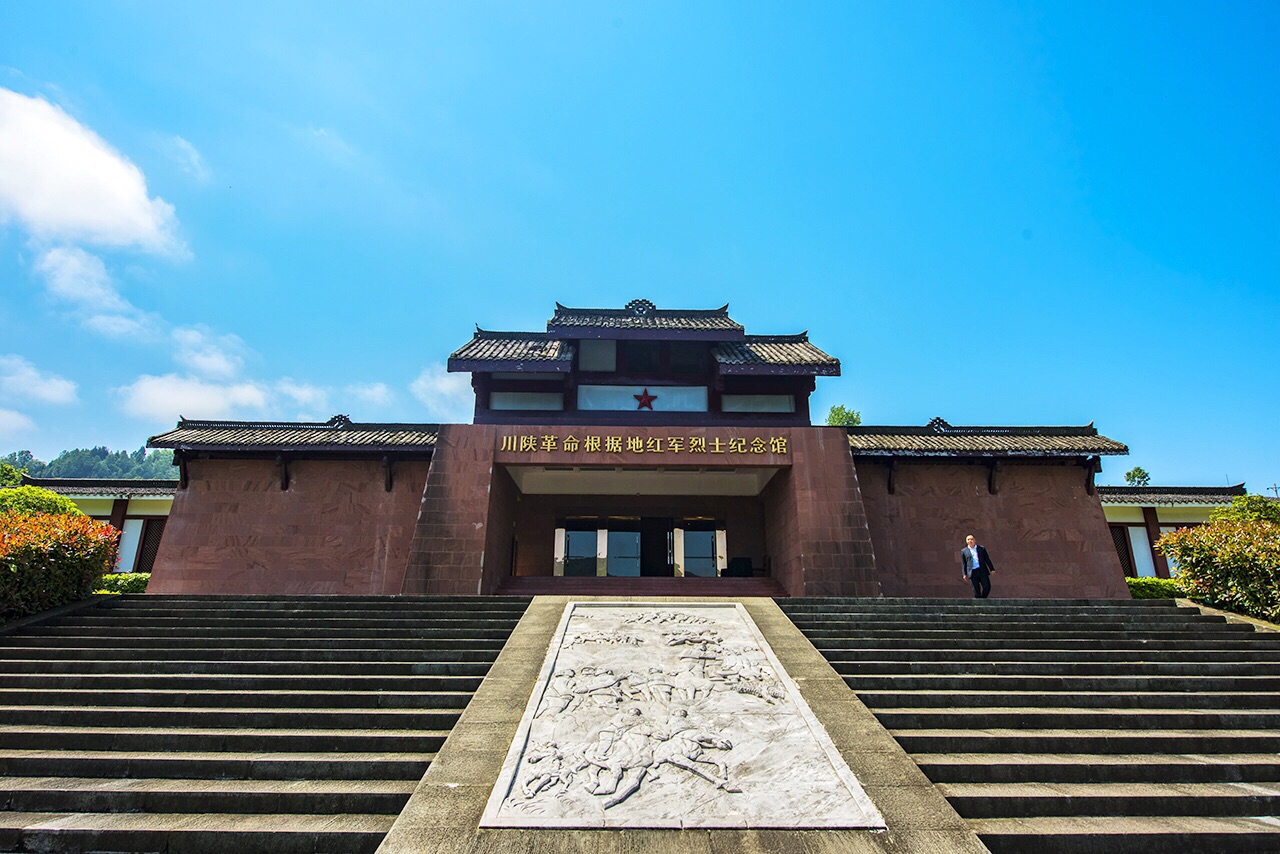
(33, 499)
(1156, 588)
(48, 560)
(1248, 508)
(1234, 565)
(123, 582)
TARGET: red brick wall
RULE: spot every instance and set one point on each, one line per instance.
(334, 531)
(448, 556)
(1046, 535)
(814, 520)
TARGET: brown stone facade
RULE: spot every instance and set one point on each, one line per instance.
(335, 530)
(1046, 534)
(807, 528)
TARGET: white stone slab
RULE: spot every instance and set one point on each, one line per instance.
(670, 715)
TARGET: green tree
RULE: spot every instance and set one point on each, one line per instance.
(1248, 508)
(9, 476)
(1137, 476)
(33, 499)
(840, 416)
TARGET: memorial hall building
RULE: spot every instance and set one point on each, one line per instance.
(635, 450)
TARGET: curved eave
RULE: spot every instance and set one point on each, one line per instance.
(779, 370)
(489, 366)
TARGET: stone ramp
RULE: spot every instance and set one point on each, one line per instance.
(207, 723)
(1072, 726)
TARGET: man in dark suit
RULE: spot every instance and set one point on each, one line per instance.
(977, 567)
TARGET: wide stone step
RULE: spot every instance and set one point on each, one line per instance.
(1015, 800)
(479, 639)
(997, 717)
(232, 765)
(1009, 767)
(16, 737)
(1086, 740)
(1055, 668)
(429, 649)
(999, 684)
(98, 794)
(1003, 635)
(438, 613)
(215, 833)
(440, 672)
(443, 716)
(1069, 700)
(836, 647)
(1092, 621)
(1129, 835)
(940, 603)
(303, 602)
(91, 623)
(1038, 656)
(246, 682)
(223, 699)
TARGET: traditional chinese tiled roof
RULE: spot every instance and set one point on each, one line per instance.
(940, 439)
(641, 314)
(1165, 496)
(775, 354)
(105, 487)
(338, 434)
(513, 351)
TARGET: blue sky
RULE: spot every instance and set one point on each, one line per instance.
(997, 213)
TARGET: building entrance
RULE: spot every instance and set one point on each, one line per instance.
(644, 546)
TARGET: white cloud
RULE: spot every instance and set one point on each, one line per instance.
(79, 278)
(313, 400)
(331, 144)
(14, 424)
(189, 159)
(75, 276)
(62, 181)
(166, 397)
(447, 397)
(208, 354)
(20, 378)
(375, 393)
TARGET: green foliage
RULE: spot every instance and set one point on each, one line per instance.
(33, 499)
(9, 476)
(1248, 508)
(99, 462)
(1156, 588)
(839, 416)
(48, 560)
(1137, 476)
(1230, 564)
(123, 582)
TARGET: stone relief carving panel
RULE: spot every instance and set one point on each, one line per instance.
(670, 716)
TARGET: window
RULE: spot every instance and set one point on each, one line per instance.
(527, 400)
(598, 356)
(642, 357)
(757, 403)
(688, 357)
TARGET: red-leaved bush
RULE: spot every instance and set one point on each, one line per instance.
(1232, 564)
(47, 560)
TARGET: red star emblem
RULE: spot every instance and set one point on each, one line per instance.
(645, 400)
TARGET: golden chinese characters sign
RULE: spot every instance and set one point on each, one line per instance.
(689, 446)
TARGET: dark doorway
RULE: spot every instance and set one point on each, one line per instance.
(655, 546)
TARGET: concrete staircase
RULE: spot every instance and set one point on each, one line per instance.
(208, 723)
(1073, 726)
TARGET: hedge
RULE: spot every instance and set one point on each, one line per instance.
(48, 560)
(33, 499)
(123, 582)
(1233, 565)
(1156, 588)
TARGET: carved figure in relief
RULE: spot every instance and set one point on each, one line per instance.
(612, 638)
(551, 769)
